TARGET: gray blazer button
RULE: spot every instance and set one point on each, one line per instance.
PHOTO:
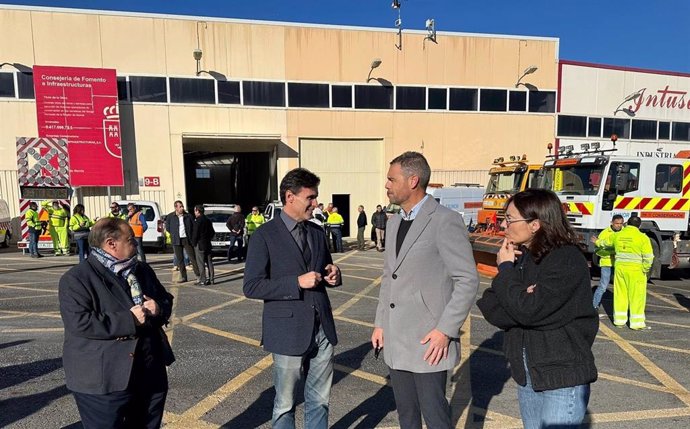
(392, 305)
(395, 276)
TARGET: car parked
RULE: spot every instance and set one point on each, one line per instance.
(218, 214)
(155, 221)
(272, 210)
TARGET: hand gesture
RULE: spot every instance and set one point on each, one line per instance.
(309, 280)
(332, 275)
(438, 346)
(139, 314)
(151, 307)
(507, 252)
(377, 338)
(593, 239)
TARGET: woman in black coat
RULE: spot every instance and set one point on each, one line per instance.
(202, 234)
(541, 298)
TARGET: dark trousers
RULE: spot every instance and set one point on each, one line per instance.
(179, 250)
(421, 394)
(203, 260)
(337, 234)
(360, 238)
(131, 408)
(34, 233)
(140, 249)
(238, 251)
(82, 248)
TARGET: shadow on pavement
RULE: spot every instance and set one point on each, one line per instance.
(682, 300)
(17, 408)
(17, 374)
(259, 412)
(13, 343)
(488, 374)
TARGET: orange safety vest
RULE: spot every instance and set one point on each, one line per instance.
(136, 225)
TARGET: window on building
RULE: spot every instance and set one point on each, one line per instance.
(341, 96)
(664, 130)
(263, 93)
(25, 85)
(493, 100)
(669, 178)
(517, 101)
(643, 130)
(308, 95)
(7, 85)
(192, 90)
(438, 98)
(681, 131)
(203, 173)
(373, 97)
(542, 101)
(618, 126)
(410, 98)
(122, 88)
(228, 92)
(594, 129)
(148, 89)
(572, 126)
(463, 99)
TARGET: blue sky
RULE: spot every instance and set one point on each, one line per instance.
(650, 34)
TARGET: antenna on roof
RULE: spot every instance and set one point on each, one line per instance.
(398, 23)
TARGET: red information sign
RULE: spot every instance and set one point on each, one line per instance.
(81, 106)
(152, 181)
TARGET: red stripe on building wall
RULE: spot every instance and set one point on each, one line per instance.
(660, 205)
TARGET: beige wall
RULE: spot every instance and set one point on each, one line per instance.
(158, 45)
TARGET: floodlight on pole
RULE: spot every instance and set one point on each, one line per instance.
(528, 70)
(374, 64)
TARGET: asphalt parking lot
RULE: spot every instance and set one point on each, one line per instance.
(222, 378)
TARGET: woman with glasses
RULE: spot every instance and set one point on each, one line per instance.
(542, 299)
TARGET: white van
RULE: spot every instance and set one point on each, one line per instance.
(5, 219)
(465, 199)
(154, 236)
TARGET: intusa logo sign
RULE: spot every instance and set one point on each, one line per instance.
(663, 98)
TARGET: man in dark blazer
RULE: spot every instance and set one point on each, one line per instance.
(289, 267)
(429, 284)
(201, 240)
(115, 352)
(180, 225)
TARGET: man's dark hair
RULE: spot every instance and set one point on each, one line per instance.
(617, 217)
(178, 201)
(107, 227)
(297, 179)
(555, 230)
(200, 208)
(634, 221)
(414, 163)
(131, 205)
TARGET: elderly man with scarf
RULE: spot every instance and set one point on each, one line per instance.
(115, 352)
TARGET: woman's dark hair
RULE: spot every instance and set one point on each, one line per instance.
(78, 209)
(555, 230)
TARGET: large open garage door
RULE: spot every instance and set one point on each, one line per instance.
(230, 169)
(352, 172)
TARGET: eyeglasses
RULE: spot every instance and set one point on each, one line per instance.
(509, 221)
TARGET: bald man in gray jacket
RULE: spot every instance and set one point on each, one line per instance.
(429, 283)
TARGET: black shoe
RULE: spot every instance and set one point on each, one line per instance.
(38, 255)
(181, 281)
(208, 282)
(34, 256)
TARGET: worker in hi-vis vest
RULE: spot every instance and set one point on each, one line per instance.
(34, 224)
(604, 250)
(58, 219)
(137, 220)
(634, 257)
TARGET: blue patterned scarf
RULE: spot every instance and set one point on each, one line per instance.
(124, 268)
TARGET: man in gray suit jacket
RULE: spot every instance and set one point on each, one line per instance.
(429, 284)
(289, 267)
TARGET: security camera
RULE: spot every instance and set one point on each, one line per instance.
(198, 54)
